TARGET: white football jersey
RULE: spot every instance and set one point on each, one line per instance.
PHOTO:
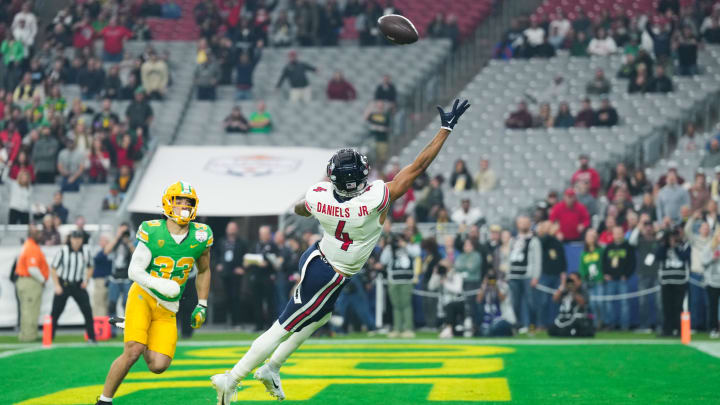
(352, 228)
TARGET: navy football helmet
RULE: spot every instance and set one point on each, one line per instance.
(348, 171)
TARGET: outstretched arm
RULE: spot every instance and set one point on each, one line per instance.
(404, 179)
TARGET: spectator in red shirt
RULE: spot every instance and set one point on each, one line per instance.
(606, 236)
(22, 163)
(83, 34)
(572, 217)
(10, 137)
(340, 89)
(114, 37)
(124, 150)
(587, 173)
(99, 162)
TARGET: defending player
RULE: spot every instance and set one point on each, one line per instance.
(351, 213)
(166, 252)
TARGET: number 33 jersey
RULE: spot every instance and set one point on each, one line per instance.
(172, 260)
(352, 228)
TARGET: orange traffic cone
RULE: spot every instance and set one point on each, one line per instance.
(685, 323)
(685, 327)
(47, 331)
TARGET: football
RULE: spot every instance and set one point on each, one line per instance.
(398, 29)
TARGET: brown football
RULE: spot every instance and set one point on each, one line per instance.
(398, 29)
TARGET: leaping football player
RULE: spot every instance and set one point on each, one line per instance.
(351, 213)
(163, 259)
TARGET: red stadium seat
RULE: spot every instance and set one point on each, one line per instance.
(595, 8)
(469, 12)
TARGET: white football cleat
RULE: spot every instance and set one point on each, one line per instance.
(271, 380)
(226, 388)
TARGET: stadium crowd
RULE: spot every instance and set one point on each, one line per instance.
(46, 137)
(654, 48)
(603, 237)
(608, 254)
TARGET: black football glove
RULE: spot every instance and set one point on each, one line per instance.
(449, 119)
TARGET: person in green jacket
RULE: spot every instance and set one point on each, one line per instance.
(13, 53)
(260, 121)
(591, 273)
(12, 50)
(469, 265)
(579, 44)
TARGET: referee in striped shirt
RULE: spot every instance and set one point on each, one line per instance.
(71, 271)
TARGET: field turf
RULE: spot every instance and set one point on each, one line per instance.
(381, 371)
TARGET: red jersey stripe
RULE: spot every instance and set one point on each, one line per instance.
(320, 299)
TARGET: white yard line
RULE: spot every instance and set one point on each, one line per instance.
(711, 348)
(10, 353)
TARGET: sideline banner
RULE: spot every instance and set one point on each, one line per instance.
(233, 181)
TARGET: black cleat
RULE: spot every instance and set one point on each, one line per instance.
(117, 322)
(99, 402)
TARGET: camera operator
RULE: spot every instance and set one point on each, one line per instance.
(120, 249)
(398, 257)
(572, 319)
(451, 300)
(673, 255)
(498, 316)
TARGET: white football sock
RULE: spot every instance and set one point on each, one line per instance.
(286, 348)
(104, 398)
(260, 350)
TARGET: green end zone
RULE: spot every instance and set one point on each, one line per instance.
(381, 372)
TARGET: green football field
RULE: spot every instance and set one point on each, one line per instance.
(381, 371)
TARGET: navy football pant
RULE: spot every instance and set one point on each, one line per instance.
(316, 294)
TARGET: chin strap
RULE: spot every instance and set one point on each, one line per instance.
(349, 195)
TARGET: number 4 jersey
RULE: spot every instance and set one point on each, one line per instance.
(352, 228)
(172, 260)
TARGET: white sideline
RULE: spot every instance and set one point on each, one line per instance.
(709, 347)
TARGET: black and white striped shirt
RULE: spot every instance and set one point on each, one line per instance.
(72, 266)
